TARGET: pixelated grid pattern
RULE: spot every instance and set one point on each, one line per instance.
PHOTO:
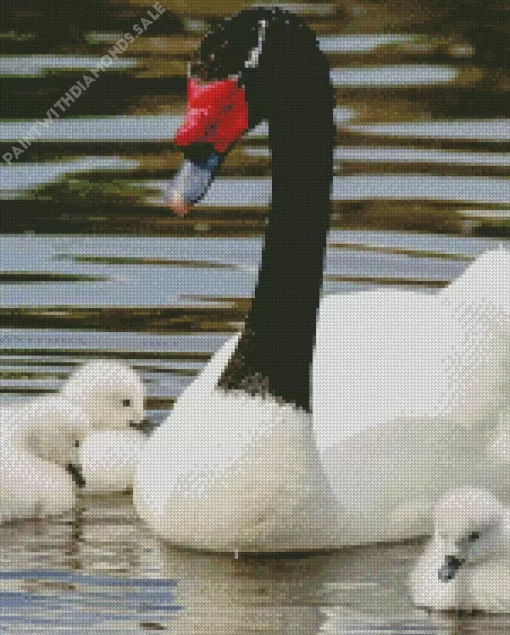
(282, 236)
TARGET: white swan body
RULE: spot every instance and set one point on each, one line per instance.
(36, 445)
(406, 392)
(256, 458)
(385, 357)
(406, 397)
(466, 565)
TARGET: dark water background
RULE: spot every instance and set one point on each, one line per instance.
(93, 266)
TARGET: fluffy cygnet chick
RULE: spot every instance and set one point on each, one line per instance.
(112, 395)
(466, 565)
(39, 458)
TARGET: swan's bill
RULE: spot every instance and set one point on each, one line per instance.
(192, 182)
(216, 116)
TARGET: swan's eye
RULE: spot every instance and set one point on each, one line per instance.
(474, 536)
(77, 443)
(126, 403)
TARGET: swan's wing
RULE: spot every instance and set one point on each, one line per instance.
(208, 378)
(379, 355)
(403, 395)
(386, 354)
(486, 282)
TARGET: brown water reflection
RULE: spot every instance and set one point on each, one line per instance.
(416, 82)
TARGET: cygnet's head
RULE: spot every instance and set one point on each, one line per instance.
(469, 525)
(110, 392)
(53, 429)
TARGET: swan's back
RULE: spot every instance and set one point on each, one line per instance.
(379, 355)
(405, 396)
(485, 283)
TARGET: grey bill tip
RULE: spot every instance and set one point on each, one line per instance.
(193, 180)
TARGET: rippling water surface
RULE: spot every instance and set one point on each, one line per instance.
(102, 572)
(93, 266)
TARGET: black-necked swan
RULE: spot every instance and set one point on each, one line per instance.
(239, 465)
(466, 564)
(39, 458)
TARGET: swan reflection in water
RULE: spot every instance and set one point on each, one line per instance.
(359, 590)
(113, 573)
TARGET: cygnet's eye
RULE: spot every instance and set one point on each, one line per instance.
(126, 403)
(77, 443)
(474, 535)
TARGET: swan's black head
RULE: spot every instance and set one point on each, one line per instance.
(257, 62)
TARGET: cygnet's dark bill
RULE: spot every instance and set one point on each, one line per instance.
(450, 567)
(192, 181)
(144, 425)
(76, 473)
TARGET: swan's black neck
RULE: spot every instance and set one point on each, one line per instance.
(274, 354)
